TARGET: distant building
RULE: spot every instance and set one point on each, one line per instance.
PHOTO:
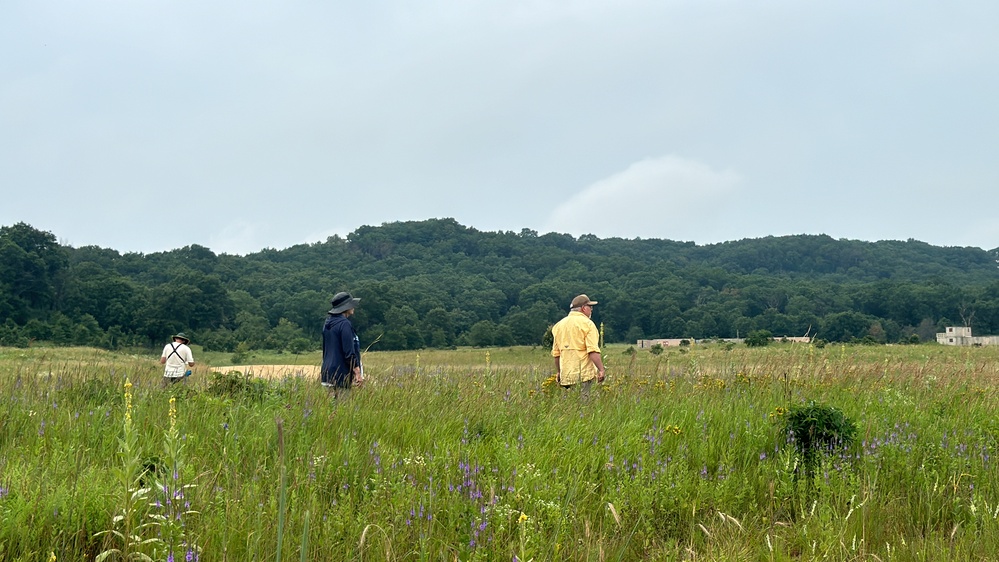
(961, 335)
(675, 342)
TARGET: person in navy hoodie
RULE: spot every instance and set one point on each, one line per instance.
(341, 349)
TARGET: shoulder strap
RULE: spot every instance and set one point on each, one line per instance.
(174, 352)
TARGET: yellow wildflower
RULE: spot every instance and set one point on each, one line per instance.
(173, 412)
(128, 400)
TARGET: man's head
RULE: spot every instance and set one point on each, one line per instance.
(342, 303)
(182, 338)
(583, 304)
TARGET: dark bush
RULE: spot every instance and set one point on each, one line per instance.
(817, 429)
(759, 338)
(236, 384)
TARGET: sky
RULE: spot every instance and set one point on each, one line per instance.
(149, 125)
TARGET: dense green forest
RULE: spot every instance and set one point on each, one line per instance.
(437, 283)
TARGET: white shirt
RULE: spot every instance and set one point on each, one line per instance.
(176, 363)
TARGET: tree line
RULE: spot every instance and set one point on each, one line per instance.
(437, 283)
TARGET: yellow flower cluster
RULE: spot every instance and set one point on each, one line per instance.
(663, 385)
(549, 381)
(778, 413)
(173, 412)
(674, 429)
(128, 400)
(711, 383)
(742, 377)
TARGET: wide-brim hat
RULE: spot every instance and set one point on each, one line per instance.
(182, 336)
(582, 300)
(343, 302)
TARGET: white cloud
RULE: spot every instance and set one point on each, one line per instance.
(268, 116)
(666, 197)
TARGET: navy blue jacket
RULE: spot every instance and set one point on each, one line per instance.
(341, 352)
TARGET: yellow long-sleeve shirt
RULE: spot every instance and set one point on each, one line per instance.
(575, 337)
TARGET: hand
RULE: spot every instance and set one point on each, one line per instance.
(600, 376)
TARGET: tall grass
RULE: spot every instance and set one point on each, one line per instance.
(443, 456)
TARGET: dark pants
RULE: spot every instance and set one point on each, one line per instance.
(584, 387)
(340, 388)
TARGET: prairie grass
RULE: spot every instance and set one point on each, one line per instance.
(445, 455)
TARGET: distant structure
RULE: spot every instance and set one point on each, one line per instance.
(961, 335)
(675, 342)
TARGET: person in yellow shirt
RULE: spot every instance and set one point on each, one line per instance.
(576, 346)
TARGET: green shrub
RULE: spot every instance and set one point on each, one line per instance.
(236, 384)
(241, 352)
(817, 429)
(759, 338)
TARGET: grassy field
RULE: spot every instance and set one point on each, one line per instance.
(473, 454)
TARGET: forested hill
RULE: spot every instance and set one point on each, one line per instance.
(439, 283)
(799, 256)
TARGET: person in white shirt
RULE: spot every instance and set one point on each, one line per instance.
(178, 359)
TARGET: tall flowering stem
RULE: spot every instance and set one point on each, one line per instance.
(128, 404)
(128, 525)
(171, 506)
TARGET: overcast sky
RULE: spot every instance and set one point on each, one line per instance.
(147, 125)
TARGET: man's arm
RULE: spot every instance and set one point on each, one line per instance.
(350, 356)
(595, 357)
(593, 350)
(556, 353)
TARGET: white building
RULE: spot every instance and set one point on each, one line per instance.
(961, 335)
(674, 342)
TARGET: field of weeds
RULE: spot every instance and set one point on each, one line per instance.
(474, 454)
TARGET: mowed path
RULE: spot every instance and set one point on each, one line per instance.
(272, 371)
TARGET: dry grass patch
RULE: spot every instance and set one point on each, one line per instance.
(272, 371)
